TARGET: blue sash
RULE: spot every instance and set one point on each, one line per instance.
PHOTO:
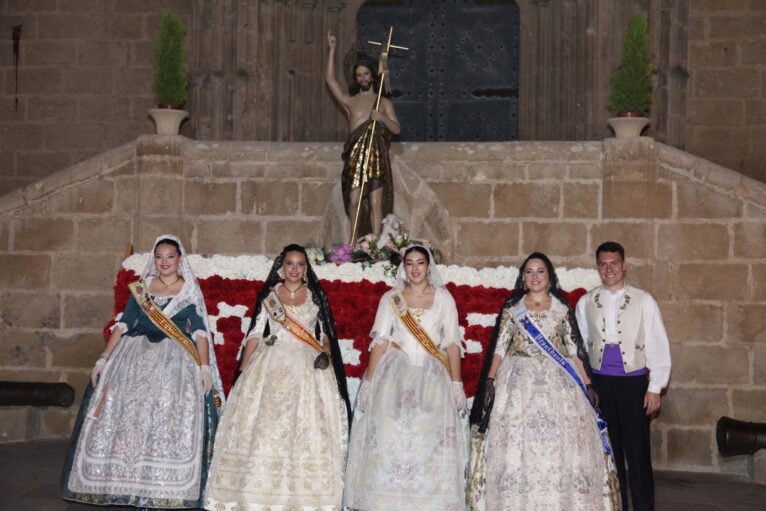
(519, 312)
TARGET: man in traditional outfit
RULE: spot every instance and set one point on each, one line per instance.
(630, 357)
(359, 105)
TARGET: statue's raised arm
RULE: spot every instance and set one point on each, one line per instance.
(332, 83)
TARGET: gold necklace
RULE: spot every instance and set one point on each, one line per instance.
(292, 293)
(536, 303)
(178, 277)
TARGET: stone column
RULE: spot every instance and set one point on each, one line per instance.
(257, 70)
(668, 26)
(569, 51)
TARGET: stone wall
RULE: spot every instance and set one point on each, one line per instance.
(84, 80)
(85, 69)
(726, 112)
(695, 235)
(246, 82)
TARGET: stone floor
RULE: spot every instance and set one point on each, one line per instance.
(29, 481)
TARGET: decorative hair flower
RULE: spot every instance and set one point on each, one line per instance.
(315, 255)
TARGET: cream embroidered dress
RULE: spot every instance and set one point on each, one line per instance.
(407, 450)
(543, 447)
(282, 443)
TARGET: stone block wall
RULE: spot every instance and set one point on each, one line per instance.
(85, 66)
(56, 260)
(695, 235)
(726, 111)
(84, 81)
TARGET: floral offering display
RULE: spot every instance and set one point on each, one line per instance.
(388, 247)
(230, 285)
(341, 253)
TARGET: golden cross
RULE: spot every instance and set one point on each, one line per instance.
(388, 43)
(384, 56)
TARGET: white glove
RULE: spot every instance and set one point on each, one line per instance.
(206, 378)
(458, 395)
(364, 394)
(97, 370)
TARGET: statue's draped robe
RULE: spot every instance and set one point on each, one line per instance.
(378, 172)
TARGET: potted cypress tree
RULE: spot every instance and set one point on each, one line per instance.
(169, 84)
(631, 90)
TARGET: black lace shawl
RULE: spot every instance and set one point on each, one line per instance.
(324, 316)
(477, 410)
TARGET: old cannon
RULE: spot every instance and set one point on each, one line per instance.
(739, 437)
(22, 393)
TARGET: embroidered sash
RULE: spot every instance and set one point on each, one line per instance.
(401, 310)
(161, 321)
(538, 337)
(278, 313)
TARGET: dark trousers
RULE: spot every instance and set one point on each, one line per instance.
(622, 403)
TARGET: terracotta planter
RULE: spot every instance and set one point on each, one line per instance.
(627, 125)
(168, 120)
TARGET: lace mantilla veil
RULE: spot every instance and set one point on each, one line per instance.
(434, 277)
(190, 294)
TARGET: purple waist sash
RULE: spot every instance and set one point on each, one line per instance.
(612, 364)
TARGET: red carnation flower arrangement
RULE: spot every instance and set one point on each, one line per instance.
(354, 305)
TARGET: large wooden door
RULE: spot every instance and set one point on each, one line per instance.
(460, 79)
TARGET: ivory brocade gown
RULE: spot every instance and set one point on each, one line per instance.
(281, 444)
(543, 448)
(407, 451)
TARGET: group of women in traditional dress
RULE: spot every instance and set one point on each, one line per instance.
(287, 441)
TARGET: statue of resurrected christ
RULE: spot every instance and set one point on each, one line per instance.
(359, 105)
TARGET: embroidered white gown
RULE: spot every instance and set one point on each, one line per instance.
(407, 451)
(543, 446)
(282, 443)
